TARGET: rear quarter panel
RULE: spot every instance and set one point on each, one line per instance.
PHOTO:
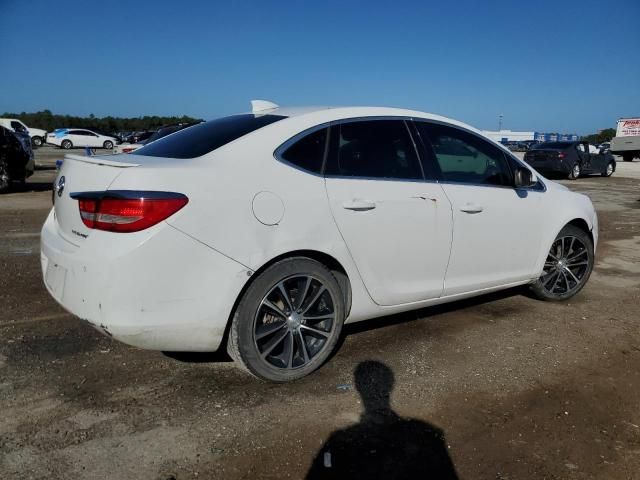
(225, 189)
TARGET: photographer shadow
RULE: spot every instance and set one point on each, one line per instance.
(383, 444)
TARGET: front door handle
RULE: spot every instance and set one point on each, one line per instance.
(359, 205)
(471, 208)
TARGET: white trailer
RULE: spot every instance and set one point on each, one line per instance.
(627, 139)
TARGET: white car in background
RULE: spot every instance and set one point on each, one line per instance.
(69, 138)
(263, 233)
(37, 135)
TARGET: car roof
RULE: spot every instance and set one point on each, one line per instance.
(334, 113)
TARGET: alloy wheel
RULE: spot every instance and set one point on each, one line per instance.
(576, 171)
(566, 266)
(609, 169)
(294, 322)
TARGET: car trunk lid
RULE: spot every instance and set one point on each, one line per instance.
(82, 174)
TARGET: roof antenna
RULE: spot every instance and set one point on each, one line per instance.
(258, 106)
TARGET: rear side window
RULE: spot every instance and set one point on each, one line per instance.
(205, 137)
(308, 152)
(373, 149)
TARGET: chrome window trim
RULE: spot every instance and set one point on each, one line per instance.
(277, 154)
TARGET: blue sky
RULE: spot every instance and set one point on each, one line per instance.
(571, 66)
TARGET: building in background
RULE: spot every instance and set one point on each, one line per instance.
(510, 136)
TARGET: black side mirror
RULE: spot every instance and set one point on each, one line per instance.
(523, 178)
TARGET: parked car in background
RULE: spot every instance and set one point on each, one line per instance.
(627, 139)
(161, 132)
(68, 138)
(570, 159)
(37, 135)
(16, 157)
(280, 225)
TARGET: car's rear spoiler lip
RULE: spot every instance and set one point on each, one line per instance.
(100, 160)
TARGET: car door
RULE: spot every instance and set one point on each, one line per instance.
(396, 225)
(496, 227)
(585, 157)
(92, 139)
(598, 159)
(76, 137)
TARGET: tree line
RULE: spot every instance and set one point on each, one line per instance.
(49, 121)
(602, 136)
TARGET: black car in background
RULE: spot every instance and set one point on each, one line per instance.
(570, 159)
(16, 157)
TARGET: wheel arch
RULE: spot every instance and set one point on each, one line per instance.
(327, 260)
(582, 224)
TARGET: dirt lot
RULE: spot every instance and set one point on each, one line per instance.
(500, 387)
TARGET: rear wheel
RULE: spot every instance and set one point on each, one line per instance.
(608, 171)
(575, 172)
(627, 157)
(108, 145)
(567, 267)
(66, 144)
(288, 321)
(5, 180)
(37, 141)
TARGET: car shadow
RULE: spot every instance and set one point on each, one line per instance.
(383, 444)
(26, 187)
(221, 355)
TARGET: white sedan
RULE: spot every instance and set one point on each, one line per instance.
(263, 233)
(69, 138)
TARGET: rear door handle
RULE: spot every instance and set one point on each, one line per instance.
(359, 205)
(471, 208)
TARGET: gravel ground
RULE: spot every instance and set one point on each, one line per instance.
(498, 387)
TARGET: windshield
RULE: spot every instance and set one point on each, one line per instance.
(207, 136)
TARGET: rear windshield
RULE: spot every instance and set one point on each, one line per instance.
(553, 145)
(205, 137)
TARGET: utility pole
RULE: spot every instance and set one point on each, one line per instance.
(500, 122)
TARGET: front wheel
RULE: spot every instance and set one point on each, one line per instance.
(288, 321)
(567, 267)
(575, 172)
(66, 144)
(108, 145)
(608, 171)
(37, 141)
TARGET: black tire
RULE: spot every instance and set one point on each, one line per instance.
(265, 341)
(573, 264)
(5, 179)
(108, 144)
(575, 172)
(66, 144)
(608, 170)
(627, 157)
(37, 141)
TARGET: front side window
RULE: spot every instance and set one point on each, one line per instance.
(308, 152)
(464, 157)
(373, 149)
(205, 137)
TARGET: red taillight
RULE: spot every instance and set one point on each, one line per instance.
(127, 150)
(561, 155)
(124, 215)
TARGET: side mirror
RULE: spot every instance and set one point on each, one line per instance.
(523, 177)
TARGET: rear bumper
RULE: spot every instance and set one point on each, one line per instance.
(551, 166)
(160, 291)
